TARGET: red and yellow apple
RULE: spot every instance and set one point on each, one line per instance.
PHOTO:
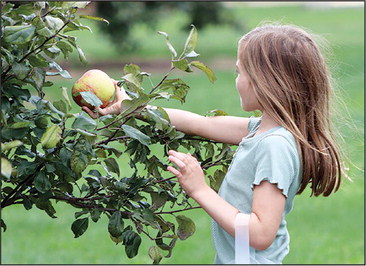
(97, 82)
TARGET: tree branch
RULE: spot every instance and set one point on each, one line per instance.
(8, 200)
(171, 212)
(76, 201)
(166, 179)
(161, 82)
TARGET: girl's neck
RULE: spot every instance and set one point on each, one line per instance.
(266, 124)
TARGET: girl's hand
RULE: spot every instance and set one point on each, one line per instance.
(189, 173)
(113, 107)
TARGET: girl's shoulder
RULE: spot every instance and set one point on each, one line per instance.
(279, 139)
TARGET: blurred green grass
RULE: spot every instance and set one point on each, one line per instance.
(323, 230)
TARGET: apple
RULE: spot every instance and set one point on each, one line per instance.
(96, 81)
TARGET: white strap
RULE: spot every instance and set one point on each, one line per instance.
(242, 249)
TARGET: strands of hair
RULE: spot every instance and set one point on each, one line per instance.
(290, 77)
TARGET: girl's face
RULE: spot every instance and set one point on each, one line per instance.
(248, 100)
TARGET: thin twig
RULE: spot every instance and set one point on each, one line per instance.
(161, 82)
(171, 212)
(166, 179)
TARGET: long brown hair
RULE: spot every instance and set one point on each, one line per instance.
(291, 80)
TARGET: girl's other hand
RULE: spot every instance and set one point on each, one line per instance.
(189, 173)
(113, 107)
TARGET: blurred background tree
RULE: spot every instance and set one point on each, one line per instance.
(125, 15)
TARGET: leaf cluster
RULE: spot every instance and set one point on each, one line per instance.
(49, 154)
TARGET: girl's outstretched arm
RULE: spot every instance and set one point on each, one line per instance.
(267, 207)
(226, 129)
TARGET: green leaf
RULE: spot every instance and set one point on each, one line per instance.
(182, 64)
(95, 215)
(6, 168)
(82, 57)
(116, 224)
(21, 71)
(60, 105)
(81, 213)
(51, 137)
(53, 51)
(210, 74)
(136, 134)
(131, 69)
(21, 124)
(41, 182)
(27, 168)
(133, 105)
(66, 96)
(45, 32)
(159, 117)
(27, 203)
(65, 47)
(54, 22)
(46, 205)
(168, 43)
(186, 227)
(85, 133)
(10, 145)
(94, 18)
(91, 98)
(178, 88)
(155, 254)
(54, 109)
(79, 226)
(37, 60)
(65, 74)
(13, 133)
(79, 160)
(158, 199)
(216, 180)
(132, 242)
(191, 42)
(192, 54)
(38, 78)
(84, 122)
(112, 165)
(19, 34)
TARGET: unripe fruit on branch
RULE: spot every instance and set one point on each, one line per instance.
(97, 82)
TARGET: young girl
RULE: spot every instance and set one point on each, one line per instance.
(282, 73)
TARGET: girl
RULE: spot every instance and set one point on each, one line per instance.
(282, 73)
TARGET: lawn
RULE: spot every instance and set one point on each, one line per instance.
(323, 230)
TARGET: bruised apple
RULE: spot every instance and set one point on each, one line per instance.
(98, 83)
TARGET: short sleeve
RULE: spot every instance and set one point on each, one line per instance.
(276, 161)
(253, 123)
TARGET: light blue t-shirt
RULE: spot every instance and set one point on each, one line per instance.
(271, 156)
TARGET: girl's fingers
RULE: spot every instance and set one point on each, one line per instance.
(100, 110)
(177, 161)
(174, 171)
(186, 158)
(179, 155)
(89, 112)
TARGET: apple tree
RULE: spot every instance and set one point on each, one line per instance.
(50, 154)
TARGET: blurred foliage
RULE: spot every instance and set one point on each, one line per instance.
(124, 15)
